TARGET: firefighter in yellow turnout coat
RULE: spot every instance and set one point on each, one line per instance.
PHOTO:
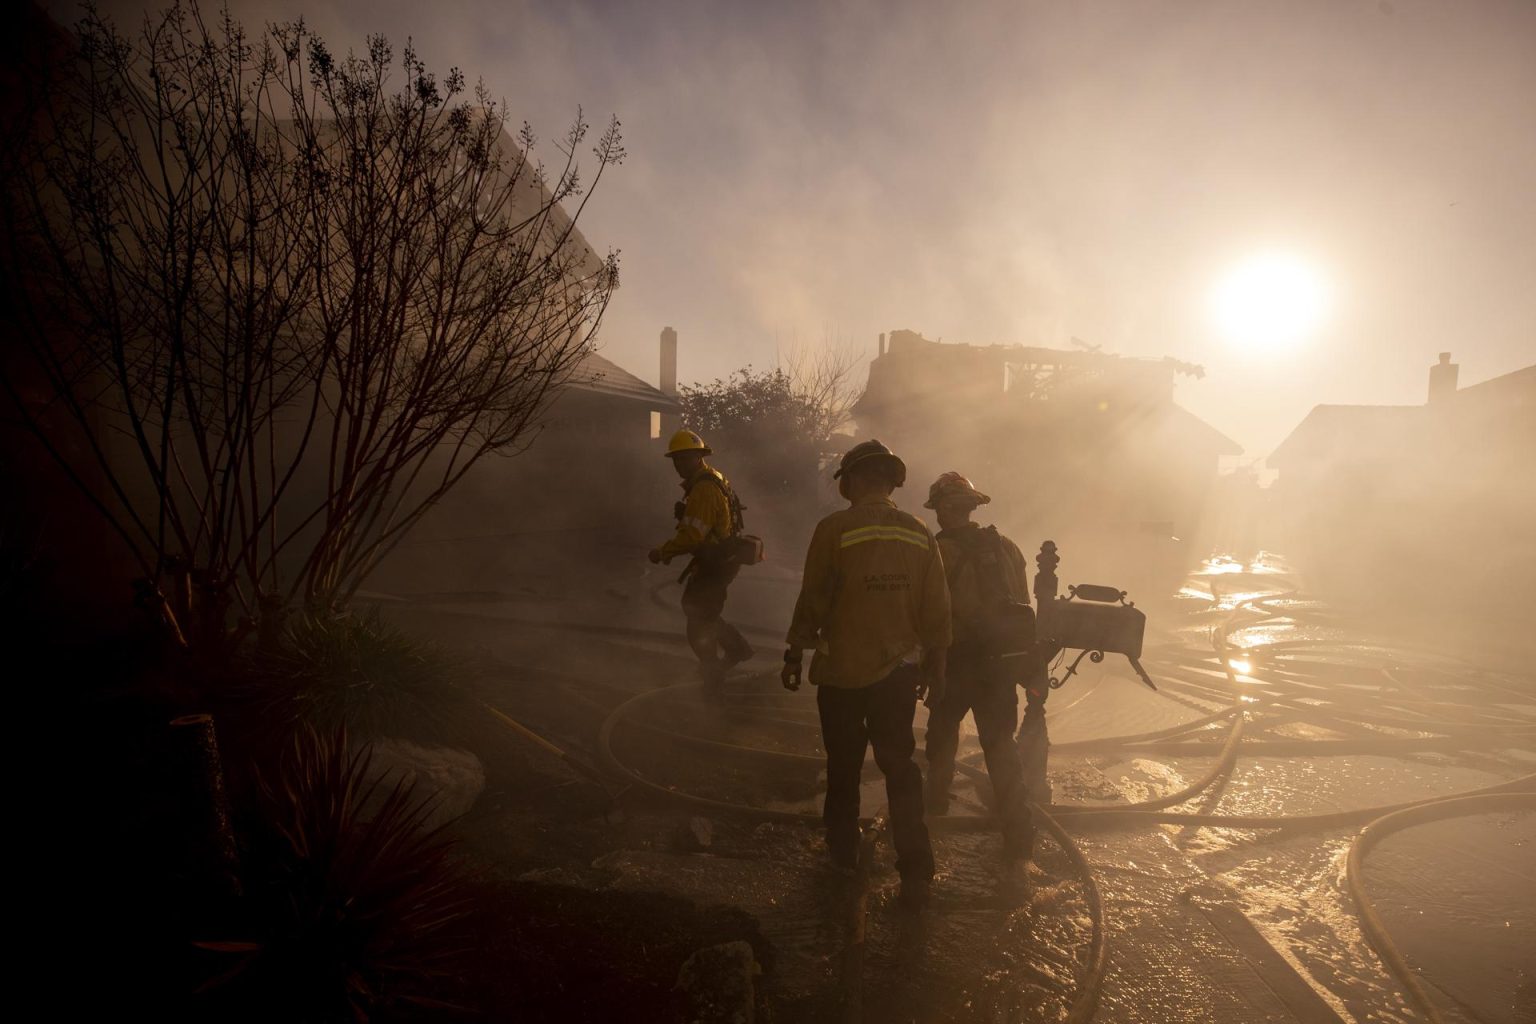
(707, 516)
(987, 582)
(874, 606)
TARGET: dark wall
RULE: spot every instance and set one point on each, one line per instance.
(592, 484)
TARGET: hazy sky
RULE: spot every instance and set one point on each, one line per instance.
(1030, 171)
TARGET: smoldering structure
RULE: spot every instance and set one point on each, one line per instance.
(1251, 798)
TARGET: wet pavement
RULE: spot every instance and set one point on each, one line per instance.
(1210, 923)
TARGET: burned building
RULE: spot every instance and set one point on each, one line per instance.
(1079, 446)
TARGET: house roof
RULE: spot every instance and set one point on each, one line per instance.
(1222, 444)
(1329, 429)
(530, 208)
(1359, 427)
(600, 376)
(531, 196)
(1516, 388)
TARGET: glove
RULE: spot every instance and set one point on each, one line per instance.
(930, 687)
(930, 683)
(789, 675)
(654, 555)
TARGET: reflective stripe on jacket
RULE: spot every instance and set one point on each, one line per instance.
(706, 514)
(873, 594)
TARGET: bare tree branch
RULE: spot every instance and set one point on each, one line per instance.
(311, 290)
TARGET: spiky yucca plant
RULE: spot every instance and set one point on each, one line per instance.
(360, 913)
(357, 671)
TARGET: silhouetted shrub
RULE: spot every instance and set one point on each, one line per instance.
(355, 910)
(207, 249)
(357, 671)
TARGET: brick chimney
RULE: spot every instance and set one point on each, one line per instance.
(1442, 379)
(663, 424)
(669, 362)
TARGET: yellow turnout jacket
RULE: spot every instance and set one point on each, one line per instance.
(706, 514)
(873, 595)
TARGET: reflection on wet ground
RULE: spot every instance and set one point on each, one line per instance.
(1204, 923)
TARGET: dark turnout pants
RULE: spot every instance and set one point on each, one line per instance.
(879, 715)
(703, 601)
(983, 688)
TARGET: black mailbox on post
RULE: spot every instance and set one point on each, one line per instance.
(1095, 620)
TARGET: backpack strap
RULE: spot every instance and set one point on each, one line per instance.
(996, 579)
(738, 521)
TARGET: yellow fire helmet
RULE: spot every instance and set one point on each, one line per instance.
(686, 442)
(953, 485)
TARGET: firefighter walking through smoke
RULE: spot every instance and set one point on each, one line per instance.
(989, 594)
(874, 606)
(709, 520)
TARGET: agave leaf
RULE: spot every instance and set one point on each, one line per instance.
(230, 947)
(375, 886)
(428, 1003)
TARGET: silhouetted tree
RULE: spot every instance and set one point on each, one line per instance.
(749, 401)
(272, 303)
(824, 380)
(802, 402)
(773, 429)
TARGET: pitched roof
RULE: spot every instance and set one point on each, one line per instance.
(1223, 444)
(1364, 428)
(1372, 430)
(1516, 388)
(603, 377)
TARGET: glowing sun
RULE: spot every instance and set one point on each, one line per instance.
(1269, 303)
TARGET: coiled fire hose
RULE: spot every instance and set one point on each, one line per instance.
(1370, 922)
(1516, 794)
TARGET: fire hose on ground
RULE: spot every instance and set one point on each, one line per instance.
(1516, 794)
(1370, 921)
